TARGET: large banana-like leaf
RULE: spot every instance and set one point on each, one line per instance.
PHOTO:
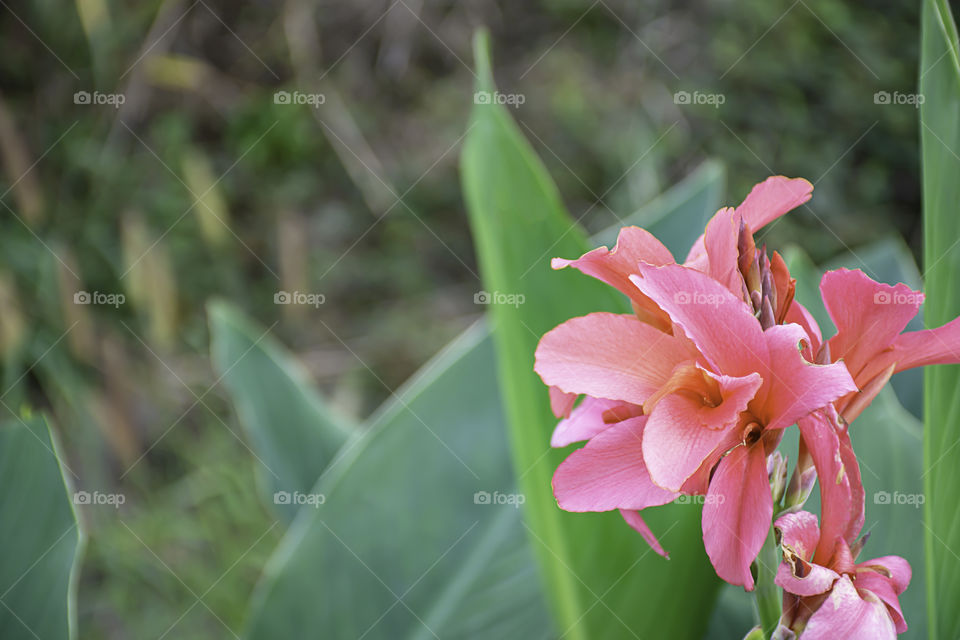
(293, 433)
(940, 142)
(600, 577)
(39, 538)
(419, 535)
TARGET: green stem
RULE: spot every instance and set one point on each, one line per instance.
(767, 593)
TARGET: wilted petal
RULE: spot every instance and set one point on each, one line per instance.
(608, 473)
(607, 355)
(845, 614)
(736, 514)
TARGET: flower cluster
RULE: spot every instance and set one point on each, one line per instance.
(691, 394)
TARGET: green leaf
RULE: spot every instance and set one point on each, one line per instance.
(39, 534)
(678, 216)
(294, 435)
(940, 145)
(400, 547)
(600, 577)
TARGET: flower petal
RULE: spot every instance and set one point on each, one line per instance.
(868, 315)
(634, 245)
(607, 355)
(929, 346)
(798, 387)
(682, 432)
(635, 520)
(736, 514)
(800, 532)
(882, 587)
(584, 422)
(719, 324)
(561, 403)
(608, 473)
(845, 614)
(772, 198)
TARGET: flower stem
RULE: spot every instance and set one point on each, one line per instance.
(767, 593)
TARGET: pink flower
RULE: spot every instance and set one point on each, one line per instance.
(836, 597)
(691, 393)
(870, 317)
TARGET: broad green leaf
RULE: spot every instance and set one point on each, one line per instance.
(402, 545)
(940, 145)
(600, 577)
(678, 216)
(293, 433)
(39, 534)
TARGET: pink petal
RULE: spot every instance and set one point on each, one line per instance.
(607, 355)
(635, 520)
(608, 473)
(844, 614)
(736, 514)
(799, 535)
(818, 580)
(634, 245)
(682, 432)
(841, 493)
(720, 242)
(882, 587)
(772, 198)
(561, 403)
(800, 532)
(898, 568)
(798, 314)
(868, 315)
(796, 386)
(719, 324)
(929, 346)
(584, 422)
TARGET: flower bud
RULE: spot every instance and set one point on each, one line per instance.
(777, 473)
(801, 486)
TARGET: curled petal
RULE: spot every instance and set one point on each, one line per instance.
(772, 198)
(845, 614)
(635, 520)
(586, 421)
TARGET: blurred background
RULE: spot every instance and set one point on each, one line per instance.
(158, 154)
